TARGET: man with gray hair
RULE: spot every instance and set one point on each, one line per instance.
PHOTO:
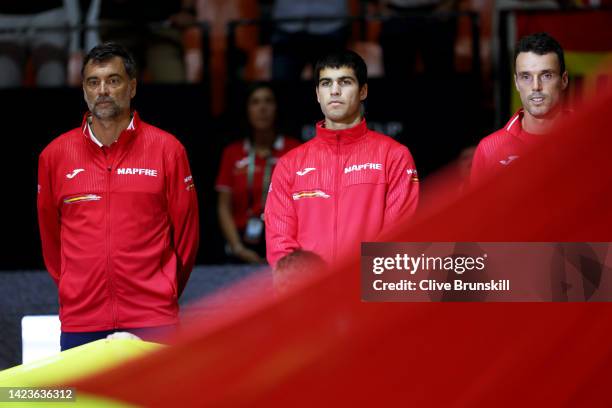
(117, 211)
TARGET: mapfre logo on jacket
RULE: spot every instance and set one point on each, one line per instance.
(364, 166)
(137, 172)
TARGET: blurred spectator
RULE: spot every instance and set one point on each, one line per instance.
(417, 26)
(152, 32)
(296, 44)
(217, 14)
(36, 31)
(244, 177)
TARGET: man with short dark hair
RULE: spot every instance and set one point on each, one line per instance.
(541, 79)
(117, 211)
(348, 183)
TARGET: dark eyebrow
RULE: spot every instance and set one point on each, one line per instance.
(96, 77)
(342, 78)
(544, 71)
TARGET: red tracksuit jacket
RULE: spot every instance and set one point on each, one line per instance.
(503, 148)
(119, 227)
(500, 149)
(338, 189)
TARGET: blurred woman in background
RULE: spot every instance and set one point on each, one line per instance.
(244, 177)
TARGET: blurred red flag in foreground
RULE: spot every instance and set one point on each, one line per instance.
(323, 346)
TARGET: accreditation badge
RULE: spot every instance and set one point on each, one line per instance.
(254, 230)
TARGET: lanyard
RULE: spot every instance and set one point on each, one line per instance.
(265, 183)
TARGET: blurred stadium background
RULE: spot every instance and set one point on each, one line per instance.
(436, 116)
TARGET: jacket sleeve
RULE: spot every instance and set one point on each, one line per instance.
(48, 220)
(183, 213)
(403, 188)
(280, 216)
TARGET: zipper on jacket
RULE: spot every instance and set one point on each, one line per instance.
(337, 198)
(109, 273)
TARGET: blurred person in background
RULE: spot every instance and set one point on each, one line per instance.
(36, 31)
(417, 27)
(117, 212)
(541, 79)
(299, 43)
(244, 176)
(151, 31)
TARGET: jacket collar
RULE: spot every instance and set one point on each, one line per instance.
(343, 136)
(515, 125)
(126, 135)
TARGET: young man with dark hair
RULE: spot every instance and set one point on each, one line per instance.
(348, 183)
(117, 211)
(348, 59)
(541, 79)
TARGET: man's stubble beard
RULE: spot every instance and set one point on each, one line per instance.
(112, 111)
